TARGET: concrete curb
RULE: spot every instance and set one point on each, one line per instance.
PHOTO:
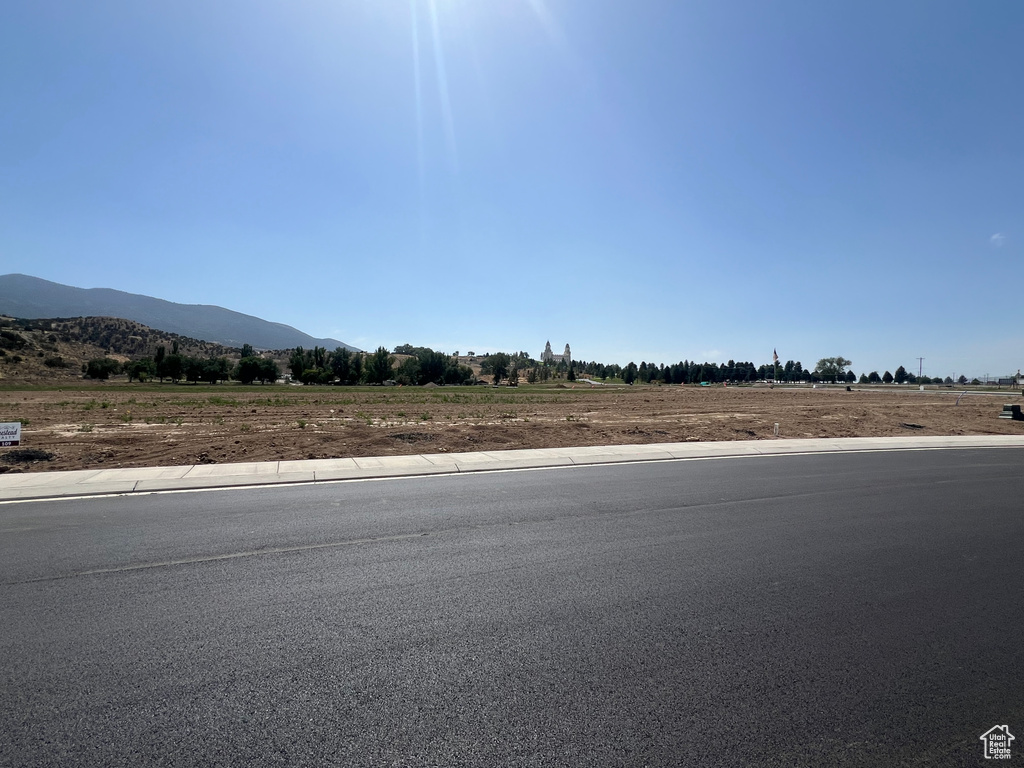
(96, 482)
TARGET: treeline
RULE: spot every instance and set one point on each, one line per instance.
(425, 366)
(683, 372)
(512, 367)
(175, 367)
(422, 365)
(827, 370)
(502, 366)
(310, 366)
(342, 366)
(902, 377)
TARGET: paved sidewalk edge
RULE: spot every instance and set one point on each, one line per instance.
(104, 482)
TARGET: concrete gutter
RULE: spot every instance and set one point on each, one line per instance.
(93, 482)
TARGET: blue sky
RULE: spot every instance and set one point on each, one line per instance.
(646, 181)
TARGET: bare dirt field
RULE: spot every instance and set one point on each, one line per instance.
(116, 425)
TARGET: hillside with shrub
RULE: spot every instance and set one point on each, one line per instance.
(61, 348)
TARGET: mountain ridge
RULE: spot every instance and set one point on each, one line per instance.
(33, 298)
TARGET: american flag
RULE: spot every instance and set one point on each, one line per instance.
(775, 356)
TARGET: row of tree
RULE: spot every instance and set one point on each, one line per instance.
(423, 365)
(342, 366)
(828, 369)
(310, 366)
(834, 369)
(902, 377)
(176, 367)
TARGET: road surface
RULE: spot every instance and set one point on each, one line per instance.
(798, 610)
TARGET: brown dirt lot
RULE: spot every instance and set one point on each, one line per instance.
(90, 425)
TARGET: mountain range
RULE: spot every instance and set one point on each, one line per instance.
(31, 298)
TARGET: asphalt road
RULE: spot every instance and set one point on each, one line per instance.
(804, 610)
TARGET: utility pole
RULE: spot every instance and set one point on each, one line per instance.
(920, 360)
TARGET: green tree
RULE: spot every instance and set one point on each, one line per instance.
(171, 366)
(192, 369)
(140, 369)
(269, 371)
(319, 357)
(900, 377)
(629, 373)
(216, 369)
(341, 364)
(887, 378)
(248, 369)
(297, 363)
(102, 368)
(831, 368)
(497, 365)
(248, 351)
(457, 374)
(432, 366)
(408, 372)
(378, 367)
(158, 361)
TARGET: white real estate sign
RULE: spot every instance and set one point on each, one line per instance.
(10, 434)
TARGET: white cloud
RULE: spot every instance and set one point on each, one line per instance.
(997, 240)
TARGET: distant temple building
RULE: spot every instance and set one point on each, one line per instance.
(547, 356)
